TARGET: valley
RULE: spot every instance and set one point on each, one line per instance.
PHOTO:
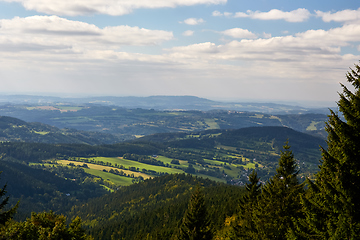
(67, 156)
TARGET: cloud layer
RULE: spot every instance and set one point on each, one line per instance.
(298, 15)
(109, 7)
(51, 32)
(235, 61)
(340, 16)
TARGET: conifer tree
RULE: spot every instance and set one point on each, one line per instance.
(196, 223)
(280, 200)
(332, 204)
(272, 212)
(245, 228)
(5, 215)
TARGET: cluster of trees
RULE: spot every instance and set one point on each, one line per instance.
(35, 152)
(46, 225)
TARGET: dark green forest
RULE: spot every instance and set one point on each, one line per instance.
(282, 197)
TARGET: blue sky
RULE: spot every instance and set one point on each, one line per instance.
(296, 51)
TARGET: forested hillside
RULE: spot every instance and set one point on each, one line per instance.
(154, 208)
(40, 190)
(16, 130)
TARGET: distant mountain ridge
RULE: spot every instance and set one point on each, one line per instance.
(162, 103)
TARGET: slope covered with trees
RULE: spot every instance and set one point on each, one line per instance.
(154, 209)
(16, 130)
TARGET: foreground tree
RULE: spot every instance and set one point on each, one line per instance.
(43, 226)
(196, 223)
(269, 215)
(332, 204)
(5, 215)
(245, 227)
(280, 200)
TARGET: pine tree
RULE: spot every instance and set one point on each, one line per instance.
(245, 228)
(332, 204)
(196, 223)
(280, 200)
(5, 215)
(272, 212)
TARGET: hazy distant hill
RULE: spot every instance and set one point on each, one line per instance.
(127, 124)
(164, 103)
(16, 130)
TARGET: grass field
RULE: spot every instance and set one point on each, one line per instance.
(211, 123)
(213, 162)
(165, 160)
(99, 164)
(129, 163)
(312, 126)
(41, 133)
(117, 180)
(100, 168)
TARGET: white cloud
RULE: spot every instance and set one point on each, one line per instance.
(267, 35)
(239, 33)
(188, 33)
(341, 16)
(307, 54)
(52, 32)
(193, 21)
(219, 14)
(216, 14)
(298, 15)
(109, 7)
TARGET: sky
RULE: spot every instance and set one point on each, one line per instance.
(260, 50)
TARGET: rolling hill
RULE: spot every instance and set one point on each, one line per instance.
(16, 130)
(127, 124)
